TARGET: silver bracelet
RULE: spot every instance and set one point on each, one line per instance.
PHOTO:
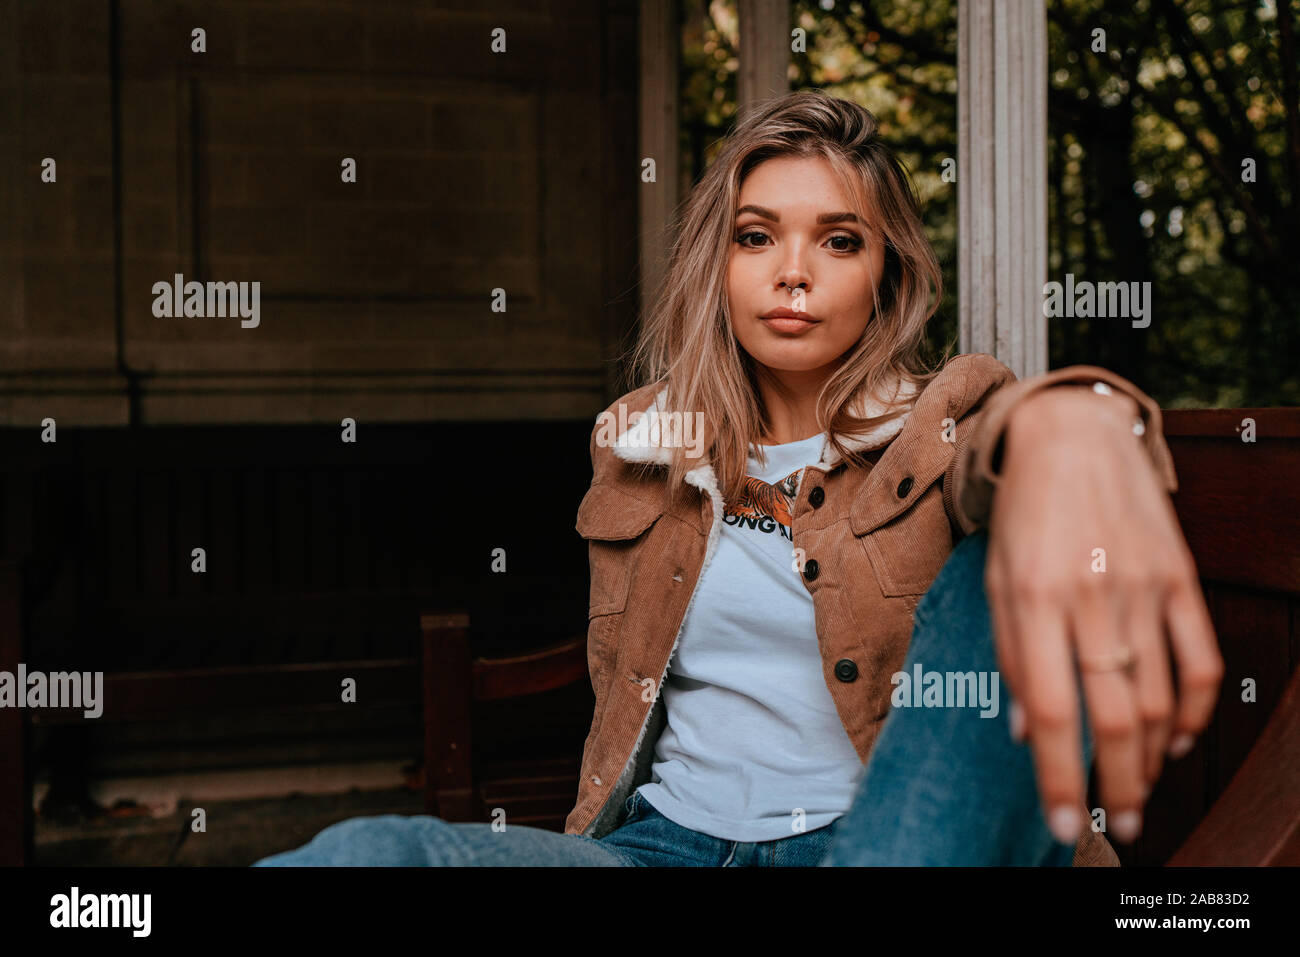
(1101, 388)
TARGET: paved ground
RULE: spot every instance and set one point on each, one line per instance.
(238, 833)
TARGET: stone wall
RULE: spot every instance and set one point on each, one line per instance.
(475, 171)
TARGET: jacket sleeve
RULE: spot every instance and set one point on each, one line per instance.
(972, 475)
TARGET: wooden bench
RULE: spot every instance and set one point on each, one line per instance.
(1256, 821)
(538, 792)
(1235, 798)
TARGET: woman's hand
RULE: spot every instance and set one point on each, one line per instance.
(1085, 560)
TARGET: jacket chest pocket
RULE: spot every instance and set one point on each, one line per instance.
(615, 525)
(907, 552)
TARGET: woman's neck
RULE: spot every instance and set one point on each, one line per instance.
(791, 402)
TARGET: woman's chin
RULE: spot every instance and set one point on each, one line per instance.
(795, 360)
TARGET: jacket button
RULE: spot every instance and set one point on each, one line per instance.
(595, 779)
(810, 569)
(846, 670)
(816, 497)
(904, 487)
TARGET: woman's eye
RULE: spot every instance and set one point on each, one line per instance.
(754, 239)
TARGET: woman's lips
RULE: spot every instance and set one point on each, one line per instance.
(788, 324)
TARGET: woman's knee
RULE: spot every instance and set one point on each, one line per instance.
(386, 840)
(961, 578)
(954, 610)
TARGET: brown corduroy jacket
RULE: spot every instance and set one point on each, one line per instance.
(878, 535)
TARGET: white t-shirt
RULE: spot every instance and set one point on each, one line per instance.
(752, 735)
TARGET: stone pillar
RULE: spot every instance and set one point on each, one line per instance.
(1002, 181)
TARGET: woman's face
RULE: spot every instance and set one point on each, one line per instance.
(798, 248)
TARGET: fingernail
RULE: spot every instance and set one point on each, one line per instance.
(1126, 826)
(1181, 745)
(1064, 824)
(1017, 719)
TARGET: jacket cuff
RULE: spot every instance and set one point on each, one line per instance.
(975, 478)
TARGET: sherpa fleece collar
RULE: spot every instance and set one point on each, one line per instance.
(641, 443)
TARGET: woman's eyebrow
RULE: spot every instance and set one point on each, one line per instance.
(822, 219)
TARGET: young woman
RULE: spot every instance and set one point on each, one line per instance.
(846, 609)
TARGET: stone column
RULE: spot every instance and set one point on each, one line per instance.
(1002, 181)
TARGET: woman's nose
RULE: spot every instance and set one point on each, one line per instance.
(792, 269)
(792, 277)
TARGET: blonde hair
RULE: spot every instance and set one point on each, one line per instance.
(686, 339)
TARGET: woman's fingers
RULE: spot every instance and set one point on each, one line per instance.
(1200, 666)
(1155, 690)
(1005, 640)
(1051, 708)
(1043, 634)
(1117, 732)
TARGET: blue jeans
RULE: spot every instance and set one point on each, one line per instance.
(943, 786)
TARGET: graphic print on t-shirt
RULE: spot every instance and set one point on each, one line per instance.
(763, 507)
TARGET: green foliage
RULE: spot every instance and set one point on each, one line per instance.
(1146, 142)
(1149, 122)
